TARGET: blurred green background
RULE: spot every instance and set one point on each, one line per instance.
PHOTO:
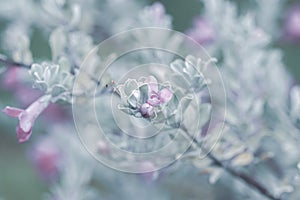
(18, 177)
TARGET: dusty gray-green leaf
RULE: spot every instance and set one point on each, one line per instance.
(243, 159)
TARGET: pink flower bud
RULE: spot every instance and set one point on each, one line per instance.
(292, 24)
(102, 147)
(156, 97)
(147, 110)
(150, 174)
(11, 80)
(27, 117)
(202, 31)
(46, 156)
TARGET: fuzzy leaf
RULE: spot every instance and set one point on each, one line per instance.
(242, 159)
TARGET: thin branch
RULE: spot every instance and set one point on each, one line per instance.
(8, 62)
(107, 90)
(240, 175)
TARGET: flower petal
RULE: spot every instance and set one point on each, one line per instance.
(154, 99)
(147, 110)
(26, 121)
(12, 112)
(152, 85)
(22, 135)
(165, 95)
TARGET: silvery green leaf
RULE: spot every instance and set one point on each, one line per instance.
(58, 42)
(160, 118)
(129, 86)
(171, 106)
(174, 120)
(41, 85)
(243, 159)
(47, 76)
(295, 102)
(67, 79)
(51, 79)
(57, 90)
(76, 15)
(54, 69)
(64, 64)
(126, 109)
(205, 113)
(134, 98)
(22, 53)
(184, 102)
(233, 151)
(201, 163)
(215, 175)
(36, 71)
(190, 68)
(179, 81)
(143, 93)
(177, 66)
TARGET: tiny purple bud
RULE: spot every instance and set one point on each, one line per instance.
(152, 85)
(150, 174)
(147, 110)
(202, 31)
(165, 95)
(158, 9)
(46, 157)
(10, 80)
(102, 147)
(154, 99)
(292, 24)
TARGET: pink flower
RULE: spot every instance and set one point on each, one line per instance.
(149, 171)
(158, 10)
(25, 95)
(102, 147)
(292, 24)
(27, 117)
(155, 97)
(147, 110)
(46, 156)
(202, 31)
(10, 80)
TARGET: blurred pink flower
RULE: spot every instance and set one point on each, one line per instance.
(27, 117)
(150, 173)
(292, 24)
(10, 80)
(158, 10)
(46, 156)
(56, 113)
(202, 31)
(155, 97)
(102, 147)
(147, 110)
(24, 94)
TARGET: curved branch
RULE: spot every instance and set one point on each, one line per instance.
(240, 175)
(6, 61)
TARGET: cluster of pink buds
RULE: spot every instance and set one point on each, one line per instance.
(156, 97)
